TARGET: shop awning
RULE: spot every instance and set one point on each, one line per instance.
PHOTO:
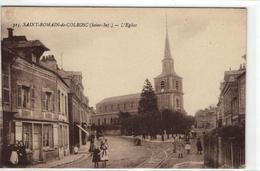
(83, 130)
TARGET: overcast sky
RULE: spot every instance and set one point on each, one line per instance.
(116, 61)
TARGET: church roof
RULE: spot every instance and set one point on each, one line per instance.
(122, 98)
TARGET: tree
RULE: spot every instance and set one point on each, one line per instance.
(148, 101)
(148, 110)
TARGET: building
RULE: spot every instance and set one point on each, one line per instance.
(108, 109)
(227, 148)
(205, 120)
(30, 98)
(79, 109)
(168, 89)
(232, 97)
(168, 85)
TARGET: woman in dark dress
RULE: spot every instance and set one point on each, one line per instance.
(199, 146)
(96, 156)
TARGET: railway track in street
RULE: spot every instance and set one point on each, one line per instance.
(158, 156)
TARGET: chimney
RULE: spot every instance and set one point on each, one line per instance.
(10, 32)
(49, 62)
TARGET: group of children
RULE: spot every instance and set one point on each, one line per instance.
(99, 150)
(180, 144)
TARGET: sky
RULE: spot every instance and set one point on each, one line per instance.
(114, 61)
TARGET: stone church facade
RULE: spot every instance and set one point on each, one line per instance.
(168, 89)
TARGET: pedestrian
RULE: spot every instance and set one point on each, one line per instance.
(104, 153)
(22, 156)
(199, 146)
(187, 146)
(91, 146)
(180, 147)
(174, 145)
(96, 156)
(14, 155)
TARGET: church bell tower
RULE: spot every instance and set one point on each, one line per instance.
(168, 85)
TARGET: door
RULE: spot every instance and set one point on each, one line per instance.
(37, 142)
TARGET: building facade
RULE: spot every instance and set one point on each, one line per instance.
(107, 110)
(205, 120)
(78, 108)
(232, 97)
(168, 85)
(30, 100)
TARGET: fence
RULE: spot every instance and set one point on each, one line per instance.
(233, 153)
(224, 152)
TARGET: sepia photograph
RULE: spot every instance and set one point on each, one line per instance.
(123, 87)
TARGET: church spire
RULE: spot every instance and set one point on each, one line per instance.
(167, 50)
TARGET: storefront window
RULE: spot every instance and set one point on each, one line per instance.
(47, 136)
(27, 135)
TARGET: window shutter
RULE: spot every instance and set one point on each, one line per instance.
(32, 98)
(19, 95)
(43, 101)
(53, 101)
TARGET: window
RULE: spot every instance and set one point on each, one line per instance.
(124, 106)
(98, 121)
(118, 106)
(32, 98)
(177, 85)
(105, 121)
(111, 120)
(60, 135)
(27, 135)
(47, 136)
(46, 101)
(177, 103)
(162, 84)
(23, 100)
(59, 101)
(5, 79)
(132, 104)
(66, 112)
(105, 108)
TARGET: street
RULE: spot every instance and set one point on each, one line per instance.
(124, 154)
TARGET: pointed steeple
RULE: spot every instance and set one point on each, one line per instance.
(167, 62)
(167, 50)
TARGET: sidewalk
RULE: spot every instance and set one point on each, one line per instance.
(82, 154)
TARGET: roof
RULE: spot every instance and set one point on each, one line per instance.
(232, 75)
(121, 98)
(24, 44)
(15, 38)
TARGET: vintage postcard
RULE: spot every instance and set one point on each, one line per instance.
(111, 87)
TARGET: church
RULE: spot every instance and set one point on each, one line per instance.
(168, 89)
